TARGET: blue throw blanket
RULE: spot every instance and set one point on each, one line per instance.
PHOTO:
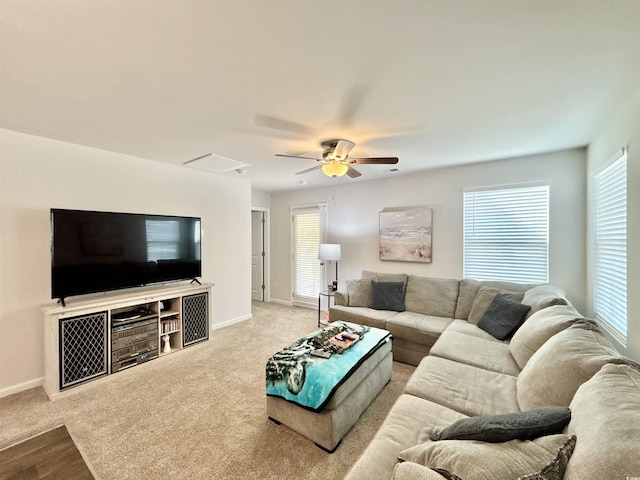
(309, 381)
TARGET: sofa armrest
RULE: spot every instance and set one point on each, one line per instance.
(341, 298)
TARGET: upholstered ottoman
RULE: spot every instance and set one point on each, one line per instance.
(327, 423)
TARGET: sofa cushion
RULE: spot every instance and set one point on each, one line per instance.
(385, 277)
(359, 292)
(567, 360)
(361, 315)
(471, 459)
(463, 388)
(431, 296)
(469, 289)
(543, 296)
(483, 299)
(503, 317)
(413, 471)
(416, 327)
(513, 426)
(462, 326)
(410, 421)
(387, 296)
(539, 328)
(606, 420)
(479, 352)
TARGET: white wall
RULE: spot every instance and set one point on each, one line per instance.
(622, 130)
(260, 199)
(37, 174)
(353, 218)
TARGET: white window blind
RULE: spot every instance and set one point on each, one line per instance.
(610, 262)
(163, 237)
(506, 234)
(307, 236)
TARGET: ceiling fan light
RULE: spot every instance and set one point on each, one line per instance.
(334, 169)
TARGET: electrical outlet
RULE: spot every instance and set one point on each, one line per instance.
(275, 284)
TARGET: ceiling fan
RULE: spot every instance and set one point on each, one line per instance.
(335, 161)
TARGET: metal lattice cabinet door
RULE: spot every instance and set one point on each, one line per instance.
(195, 318)
(83, 348)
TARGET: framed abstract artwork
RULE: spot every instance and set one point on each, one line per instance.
(405, 234)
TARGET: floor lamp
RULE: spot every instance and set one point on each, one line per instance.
(330, 252)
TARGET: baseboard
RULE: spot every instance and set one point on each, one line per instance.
(310, 306)
(233, 321)
(288, 303)
(21, 387)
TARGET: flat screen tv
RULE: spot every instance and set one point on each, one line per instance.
(101, 251)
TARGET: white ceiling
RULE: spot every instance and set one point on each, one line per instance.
(433, 82)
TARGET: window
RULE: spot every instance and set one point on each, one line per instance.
(163, 237)
(308, 232)
(610, 249)
(506, 234)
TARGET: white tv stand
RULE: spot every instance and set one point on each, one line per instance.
(93, 338)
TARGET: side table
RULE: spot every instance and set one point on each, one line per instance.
(329, 296)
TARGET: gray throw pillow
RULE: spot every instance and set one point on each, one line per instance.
(513, 426)
(503, 317)
(483, 299)
(387, 296)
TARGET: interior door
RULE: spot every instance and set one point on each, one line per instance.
(257, 255)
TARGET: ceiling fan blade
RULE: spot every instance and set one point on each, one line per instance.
(286, 125)
(342, 149)
(309, 170)
(353, 173)
(389, 132)
(301, 150)
(379, 160)
(297, 156)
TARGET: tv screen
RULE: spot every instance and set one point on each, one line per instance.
(101, 251)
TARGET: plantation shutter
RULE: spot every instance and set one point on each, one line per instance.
(506, 234)
(163, 237)
(307, 236)
(610, 263)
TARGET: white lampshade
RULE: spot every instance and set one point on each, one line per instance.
(329, 251)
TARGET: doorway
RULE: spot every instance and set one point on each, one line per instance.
(258, 255)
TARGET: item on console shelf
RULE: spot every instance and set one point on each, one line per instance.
(170, 325)
(127, 315)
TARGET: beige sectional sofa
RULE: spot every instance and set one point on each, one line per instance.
(432, 305)
(555, 358)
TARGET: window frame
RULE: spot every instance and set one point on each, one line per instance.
(308, 298)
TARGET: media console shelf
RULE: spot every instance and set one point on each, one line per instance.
(89, 339)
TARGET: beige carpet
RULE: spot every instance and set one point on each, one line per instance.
(199, 413)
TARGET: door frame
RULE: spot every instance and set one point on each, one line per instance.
(266, 235)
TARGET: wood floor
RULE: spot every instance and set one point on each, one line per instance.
(46, 456)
